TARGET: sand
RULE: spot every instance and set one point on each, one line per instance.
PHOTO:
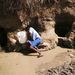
(15, 63)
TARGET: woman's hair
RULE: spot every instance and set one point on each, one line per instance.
(27, 28)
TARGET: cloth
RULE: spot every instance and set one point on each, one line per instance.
(35, 42)
(21, 37)
(34, 33)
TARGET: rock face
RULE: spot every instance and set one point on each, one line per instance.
(49, 35)
(14, 12)
(71, 36)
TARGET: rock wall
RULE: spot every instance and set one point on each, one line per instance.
(36, 12)
(71, 36)
(49, 35)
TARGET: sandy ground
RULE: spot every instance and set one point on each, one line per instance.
(18, 64)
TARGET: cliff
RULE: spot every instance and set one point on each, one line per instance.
(44, 15)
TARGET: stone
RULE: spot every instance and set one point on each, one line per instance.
(49, 36)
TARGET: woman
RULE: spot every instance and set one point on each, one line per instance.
(34, 39)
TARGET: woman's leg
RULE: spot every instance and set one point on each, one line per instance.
(35, 42)
(29, 46)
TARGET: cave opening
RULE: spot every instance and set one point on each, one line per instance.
(3, 37)
(64, 23)
(8, 24)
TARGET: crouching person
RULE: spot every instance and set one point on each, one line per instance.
(34, 39)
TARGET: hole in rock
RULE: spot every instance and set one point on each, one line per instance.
(63, 24)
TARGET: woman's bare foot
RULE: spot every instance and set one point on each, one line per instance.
(40, 55)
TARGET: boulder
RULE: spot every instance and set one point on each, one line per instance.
(49, 36)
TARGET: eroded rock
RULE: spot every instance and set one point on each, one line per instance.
(49, 36)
